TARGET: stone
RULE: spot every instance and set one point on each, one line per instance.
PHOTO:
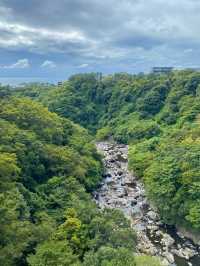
(153, 250)
(128, 181)
(167, 240)
(180, 235)
(188, 253)
(136, 195)
(168, 256)
(147, 248)
(159, 223)
(177, 252)
(110, 181)
(152, 215)
(152, 227)
(165, 262)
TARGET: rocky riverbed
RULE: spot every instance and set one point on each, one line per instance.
(120, 189)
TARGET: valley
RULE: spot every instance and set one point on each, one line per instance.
(86, 209)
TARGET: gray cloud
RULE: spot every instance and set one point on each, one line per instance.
(154, 31)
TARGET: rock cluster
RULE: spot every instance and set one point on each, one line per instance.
(120, 189)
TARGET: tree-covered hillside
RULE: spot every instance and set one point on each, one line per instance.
(48, 166)
(158, 115)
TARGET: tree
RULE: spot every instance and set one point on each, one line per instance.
(53, 253)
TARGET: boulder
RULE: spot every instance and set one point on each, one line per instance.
(167, 240)
(152, 215)
(128, 181)
(189, 253)
(152, 228)
(186, 253)
(168, 256)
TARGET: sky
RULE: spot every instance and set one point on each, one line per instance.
(51, 40)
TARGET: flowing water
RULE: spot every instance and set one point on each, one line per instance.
(120, 189)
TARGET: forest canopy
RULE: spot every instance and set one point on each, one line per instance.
(157, 115)
(48, 168)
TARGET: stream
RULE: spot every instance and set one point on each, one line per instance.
(122, 190)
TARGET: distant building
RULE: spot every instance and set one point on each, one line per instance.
(99, 76)
(162, 70)
(60, 83)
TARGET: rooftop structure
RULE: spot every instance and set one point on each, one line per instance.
(162, 70)
(60, 83)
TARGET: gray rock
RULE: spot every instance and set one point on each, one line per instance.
(152, 227)
(167, 240)
(185, 253)
(189, 253)
(168, 256)
(152, 215)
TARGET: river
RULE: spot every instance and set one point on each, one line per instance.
(121, 189)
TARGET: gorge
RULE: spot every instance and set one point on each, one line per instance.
(147, 129)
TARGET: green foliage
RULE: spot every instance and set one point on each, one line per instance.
(16, 230)
(53, 253)
(146, 260)
(157, 115)
(107, 256)
(136, 130)
(112, 229)
(9, 171)
(49, 163)
(47, 166)
(152, 102)
(141, 155)
(171, 172)
(103, 133)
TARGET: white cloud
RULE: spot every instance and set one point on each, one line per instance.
(83, 66)
(42, 40)
(21, 63)
(48, 64)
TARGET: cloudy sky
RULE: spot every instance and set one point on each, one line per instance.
(53, 39)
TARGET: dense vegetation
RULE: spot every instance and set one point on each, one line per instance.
(48, 166)
(158, 115)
